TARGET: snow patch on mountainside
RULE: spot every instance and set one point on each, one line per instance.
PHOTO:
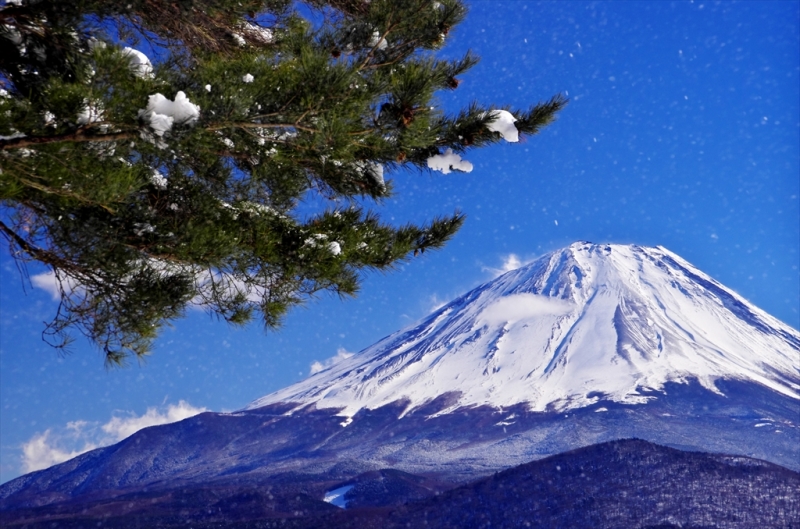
(578, 325)
(336, 496)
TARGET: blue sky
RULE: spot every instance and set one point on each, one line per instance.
(683, 130)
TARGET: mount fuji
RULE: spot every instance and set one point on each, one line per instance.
(581, 325)
(585, 345)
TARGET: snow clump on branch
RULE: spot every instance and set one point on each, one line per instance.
(92, 112)
(158, 179)
(140, 63)
(161, 113)
(263, 35)
(376, 40)
(371, 169)
(504, 124)
(335, 248)
(448, 162)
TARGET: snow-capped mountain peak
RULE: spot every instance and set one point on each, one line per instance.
(580, 324)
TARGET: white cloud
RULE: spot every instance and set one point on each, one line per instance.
(435, 303)
(524, 306)
(510, 262)
(341, 354)
(121, 427)
(40, 452)
(58, 445)
(47, 281)
(205, 281)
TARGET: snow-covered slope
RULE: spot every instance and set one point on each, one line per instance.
(585, 323)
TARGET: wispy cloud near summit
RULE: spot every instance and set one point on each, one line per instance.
(341, 354)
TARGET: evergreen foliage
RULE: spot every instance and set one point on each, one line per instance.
(151, 187)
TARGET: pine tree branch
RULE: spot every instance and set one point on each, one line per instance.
(250, 125)
(389, 27)
(34, 251)
(410, 46)
(33, 184)
(81, 136)
(63, 193)
(403, 55)
(130, 250)
(72, 137)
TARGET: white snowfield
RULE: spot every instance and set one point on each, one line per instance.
(589, 322)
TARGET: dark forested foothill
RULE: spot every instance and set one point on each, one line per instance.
(619, 484)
